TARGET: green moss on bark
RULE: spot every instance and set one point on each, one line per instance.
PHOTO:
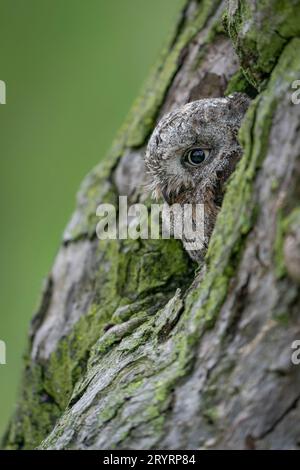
(132, 279)
(259, 32)
(284, 225)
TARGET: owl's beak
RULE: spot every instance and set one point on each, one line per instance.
(171, 198)
(167, 196)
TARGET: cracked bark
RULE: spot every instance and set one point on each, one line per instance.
(130, 348)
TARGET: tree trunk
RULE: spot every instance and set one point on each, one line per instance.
(130, 348)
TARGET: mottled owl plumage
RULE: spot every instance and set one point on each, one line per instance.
(210, 125)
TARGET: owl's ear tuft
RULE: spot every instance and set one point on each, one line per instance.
(239, 102)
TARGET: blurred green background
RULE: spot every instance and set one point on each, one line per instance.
(72, 69)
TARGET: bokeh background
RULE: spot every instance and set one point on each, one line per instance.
(72, 69)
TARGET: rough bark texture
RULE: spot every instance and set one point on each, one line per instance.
(129, 348)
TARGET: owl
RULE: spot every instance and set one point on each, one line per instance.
(191, 154)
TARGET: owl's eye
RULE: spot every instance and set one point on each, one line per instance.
(196, 156)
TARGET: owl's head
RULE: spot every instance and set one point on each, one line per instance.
(195, 147)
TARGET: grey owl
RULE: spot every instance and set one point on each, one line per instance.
(191, 154)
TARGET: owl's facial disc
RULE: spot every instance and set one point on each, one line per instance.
(182, 171)
(194, 149)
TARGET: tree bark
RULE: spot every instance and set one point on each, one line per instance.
(130, 348)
